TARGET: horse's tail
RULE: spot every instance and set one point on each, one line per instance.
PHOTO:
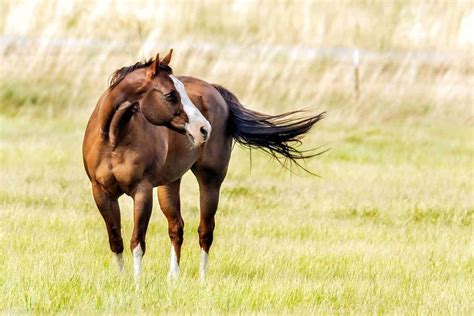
(277, 135)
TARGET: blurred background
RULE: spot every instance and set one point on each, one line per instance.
(415, 58)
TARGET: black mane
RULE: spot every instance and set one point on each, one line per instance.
(118, 75)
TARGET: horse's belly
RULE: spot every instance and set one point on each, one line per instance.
(172, 170)
(180, 157)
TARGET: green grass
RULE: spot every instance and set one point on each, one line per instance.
(387, 228)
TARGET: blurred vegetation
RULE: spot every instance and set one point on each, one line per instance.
(416, 61)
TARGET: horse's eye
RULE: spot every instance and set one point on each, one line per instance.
(171, 97)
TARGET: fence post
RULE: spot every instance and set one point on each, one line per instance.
(355, 61)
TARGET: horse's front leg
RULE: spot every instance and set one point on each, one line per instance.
(168, 196)
(143, 203)
(110, 211)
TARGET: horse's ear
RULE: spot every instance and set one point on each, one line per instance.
(153, 69)
(165, 61)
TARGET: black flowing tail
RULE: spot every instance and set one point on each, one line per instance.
(277, 135)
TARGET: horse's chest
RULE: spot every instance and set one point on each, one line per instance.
(128, 168)
(123, 169)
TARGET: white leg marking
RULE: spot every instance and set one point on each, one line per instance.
(119, 258)
(137, 262)
(174, 266)
(203, 265)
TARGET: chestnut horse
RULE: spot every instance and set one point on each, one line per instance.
(149, 128)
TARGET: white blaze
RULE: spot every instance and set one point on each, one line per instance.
(203, 264)
(196, 119)
(137, 261)
(174, 267)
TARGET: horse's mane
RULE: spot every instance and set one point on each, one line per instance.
(119, 74)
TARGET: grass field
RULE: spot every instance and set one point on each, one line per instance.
(386, 228)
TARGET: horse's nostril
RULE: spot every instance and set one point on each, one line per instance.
(204, 132)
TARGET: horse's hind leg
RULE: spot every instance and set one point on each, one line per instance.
(110, 211)
(209, 186)
(142, 206)
(168, 196)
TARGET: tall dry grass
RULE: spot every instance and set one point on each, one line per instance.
(416, 58)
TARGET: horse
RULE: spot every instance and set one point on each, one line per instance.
(149, 128)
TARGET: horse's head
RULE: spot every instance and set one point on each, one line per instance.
(167, 103)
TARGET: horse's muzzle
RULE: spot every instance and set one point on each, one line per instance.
(198, 133)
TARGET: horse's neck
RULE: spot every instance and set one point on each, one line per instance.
(116, 106)
(106, 109)
(114, 113)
